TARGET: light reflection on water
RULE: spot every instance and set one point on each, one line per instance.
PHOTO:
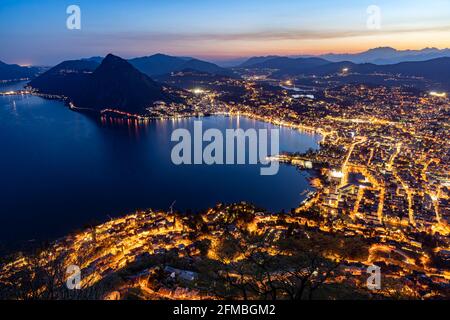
(63, 169)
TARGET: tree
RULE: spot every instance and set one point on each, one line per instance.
(251, 266)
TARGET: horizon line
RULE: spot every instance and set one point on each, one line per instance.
(230, 57)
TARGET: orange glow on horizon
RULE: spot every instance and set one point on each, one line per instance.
(349, 45)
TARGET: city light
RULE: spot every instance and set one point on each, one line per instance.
(198, 91)
(336, 174)
(438, 94)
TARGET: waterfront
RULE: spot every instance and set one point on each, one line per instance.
(65, 170)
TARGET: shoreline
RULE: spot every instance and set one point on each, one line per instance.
(11, 247)
(141, 117)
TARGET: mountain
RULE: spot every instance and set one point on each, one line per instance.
(118, 85)
(290, 66)
(256, 60)
(65, 78)
(16, 72)
(435, 70)
(157, 64)
(380, 56)
(388, 55)
(160, 64)
(199, 65)
(114, 83)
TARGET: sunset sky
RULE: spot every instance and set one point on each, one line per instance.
(34, 32)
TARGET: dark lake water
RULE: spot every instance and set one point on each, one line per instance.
(61, 170)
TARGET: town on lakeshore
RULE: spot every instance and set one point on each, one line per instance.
(381, 182)
(375, 224)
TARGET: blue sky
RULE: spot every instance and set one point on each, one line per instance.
(34, 32)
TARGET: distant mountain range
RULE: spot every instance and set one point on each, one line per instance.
(257, 60)
(160, 64)
(114, 83)
(15, 72)
(436, 70)
(388, 55)
(380, 56)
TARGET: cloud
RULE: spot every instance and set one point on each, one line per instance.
(300, 34)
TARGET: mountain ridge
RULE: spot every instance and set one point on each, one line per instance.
(16, 72)
(389, 55)
(113, 84)
(378, 55)
(160, 64)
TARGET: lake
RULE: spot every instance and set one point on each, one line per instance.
(62, 170)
